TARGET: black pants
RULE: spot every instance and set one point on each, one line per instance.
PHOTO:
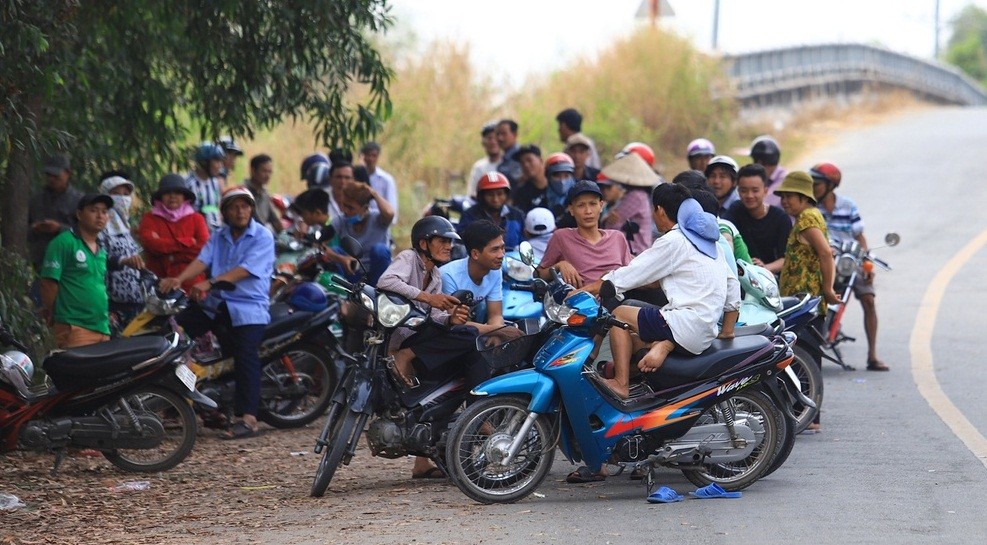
(438, 347)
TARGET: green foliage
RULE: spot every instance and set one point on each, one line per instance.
(17, 309)
(967, 47)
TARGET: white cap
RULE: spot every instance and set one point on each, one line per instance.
(539, 221)
(113, 182)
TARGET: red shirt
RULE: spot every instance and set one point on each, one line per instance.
(592, 261)
(170, 247)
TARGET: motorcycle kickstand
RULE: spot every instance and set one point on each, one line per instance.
(59, 458)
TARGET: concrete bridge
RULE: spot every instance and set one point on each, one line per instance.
(779, 78)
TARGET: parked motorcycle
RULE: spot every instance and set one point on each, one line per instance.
(717, 417)
(298, 372)
(520, 305)
(127, 398)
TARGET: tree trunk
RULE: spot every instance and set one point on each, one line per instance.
(16, 190)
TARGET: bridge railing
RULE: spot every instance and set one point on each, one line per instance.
(766, 73)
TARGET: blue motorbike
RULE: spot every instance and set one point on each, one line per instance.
(521, 304)
(719, 417)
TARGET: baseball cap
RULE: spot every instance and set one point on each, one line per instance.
(56, 164)
(580, 187)
(578, 139)
(93, 198)
(539, 221)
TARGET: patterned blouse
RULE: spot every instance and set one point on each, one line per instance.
(802, 272)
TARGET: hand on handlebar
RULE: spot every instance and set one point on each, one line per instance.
(200, 291)
(441, 301)
(168, 284)
(459, 315)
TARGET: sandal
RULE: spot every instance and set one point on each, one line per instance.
(239, 431)
(584, 475)
(877, 365)
(430, 473)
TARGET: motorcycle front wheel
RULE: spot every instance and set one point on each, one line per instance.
(479, 438)
(341, 425)
(177, 419)
(286, 403)
(759, 413)
(807, 369)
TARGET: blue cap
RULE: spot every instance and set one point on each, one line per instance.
(701, 228)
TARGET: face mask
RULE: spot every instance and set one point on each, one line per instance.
(561, 187)
(122, 203)
(353, 220)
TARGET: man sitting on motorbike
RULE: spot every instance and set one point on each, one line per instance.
(241, 252)
(313, 207)
(690, 267)
(492, 192)
(480, 273)
(445, 339)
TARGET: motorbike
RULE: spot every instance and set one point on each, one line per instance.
(851, 260)
(720, 417)
(298, 372)
(520, 304)
(762, 304)
(398, 421)
(127, 398)
(299, 259)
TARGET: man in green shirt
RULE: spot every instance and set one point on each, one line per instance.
(73, 277)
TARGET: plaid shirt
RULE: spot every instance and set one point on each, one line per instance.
(844, 221)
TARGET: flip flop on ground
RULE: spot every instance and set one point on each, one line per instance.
(584, 475)
(240, 430)
(877, 365)
(430, 473)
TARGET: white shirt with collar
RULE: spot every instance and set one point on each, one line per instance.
(384, 183)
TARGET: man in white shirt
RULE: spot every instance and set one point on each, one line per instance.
(489, 163)
(690, 267)
(380, 180)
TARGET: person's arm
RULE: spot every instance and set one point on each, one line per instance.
(775, 266)
(193, 269)
(49, 292)
(387, 211)
(391, 194)
(495, 314)
(814, 237)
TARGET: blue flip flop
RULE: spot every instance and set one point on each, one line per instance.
(665, 495)
(714, 491)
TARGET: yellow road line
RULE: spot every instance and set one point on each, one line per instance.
(920, 347)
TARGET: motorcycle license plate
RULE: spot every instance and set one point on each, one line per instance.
(186, 375)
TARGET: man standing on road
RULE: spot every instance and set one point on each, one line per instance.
(53, 208)
(571, 124)
(380, 180)
(261, 171)
(844, 223)
(490, 161)
(507, 140)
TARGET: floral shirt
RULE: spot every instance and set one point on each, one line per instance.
(802, 272)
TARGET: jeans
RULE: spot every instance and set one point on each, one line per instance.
(243, 342)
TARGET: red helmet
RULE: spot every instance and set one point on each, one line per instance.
(559, 162)
(493, 180)
(643, 150)
(827, 172)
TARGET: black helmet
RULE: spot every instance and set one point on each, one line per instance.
(431, 226)
(764, 150)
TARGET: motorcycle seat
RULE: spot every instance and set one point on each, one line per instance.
(789, 302)
(756, 329)
(88, 364)
(715, 360)
(284, 318)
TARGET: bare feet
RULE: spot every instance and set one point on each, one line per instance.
(622, 390)
(655, 357)
(403, 369)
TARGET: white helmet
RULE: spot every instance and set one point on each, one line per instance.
(16, 368)
(234, 193)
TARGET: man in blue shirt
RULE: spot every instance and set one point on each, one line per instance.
(480, 272)
(241, 252)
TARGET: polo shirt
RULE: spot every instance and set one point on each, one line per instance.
(81, 277)
(254, 251)
(844, 221)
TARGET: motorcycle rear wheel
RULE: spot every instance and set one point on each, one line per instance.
(765, 421)
(313, 366)
(807, 369)
(176, 414)
(342, 424)
(469, 448)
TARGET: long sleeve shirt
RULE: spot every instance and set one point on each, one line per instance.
(406, 277)
(699, 289)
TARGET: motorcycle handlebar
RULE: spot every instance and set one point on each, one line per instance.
(342, 282)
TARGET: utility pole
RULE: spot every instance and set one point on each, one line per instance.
(654, 11)
(716, 23)
(935, 54)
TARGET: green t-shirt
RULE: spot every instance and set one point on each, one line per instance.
(740, 250)
(81, 277)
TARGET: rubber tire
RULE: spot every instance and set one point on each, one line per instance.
(810, 374)
(342, 432)
(324, 363)
(772, 438)
(785, 445)
(455, 464)
(184, 410)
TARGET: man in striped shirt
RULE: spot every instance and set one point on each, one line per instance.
(206, 183)
(844, 223)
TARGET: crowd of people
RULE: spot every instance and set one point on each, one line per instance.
(671, 244)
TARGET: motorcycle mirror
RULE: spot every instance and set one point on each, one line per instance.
(351, 246)
(527, 253)
(892, 239)
(464, 296)
(608, 296)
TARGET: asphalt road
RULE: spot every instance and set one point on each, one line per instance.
(885, 469)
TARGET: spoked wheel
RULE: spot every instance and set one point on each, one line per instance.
(807, 369)
(341, 425)
(479, 442)
(786, 442)
(167, 422)
(290, 403)
(756, 411)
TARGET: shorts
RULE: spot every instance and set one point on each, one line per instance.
(652, 327)
(72, 336)
(863, 287)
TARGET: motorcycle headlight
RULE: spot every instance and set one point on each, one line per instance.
(390, 313)
(845, 265)
(367, 302)
(557, 312)
(519, 271)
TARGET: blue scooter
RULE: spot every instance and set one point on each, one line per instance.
(521, 304)
(717, 417)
